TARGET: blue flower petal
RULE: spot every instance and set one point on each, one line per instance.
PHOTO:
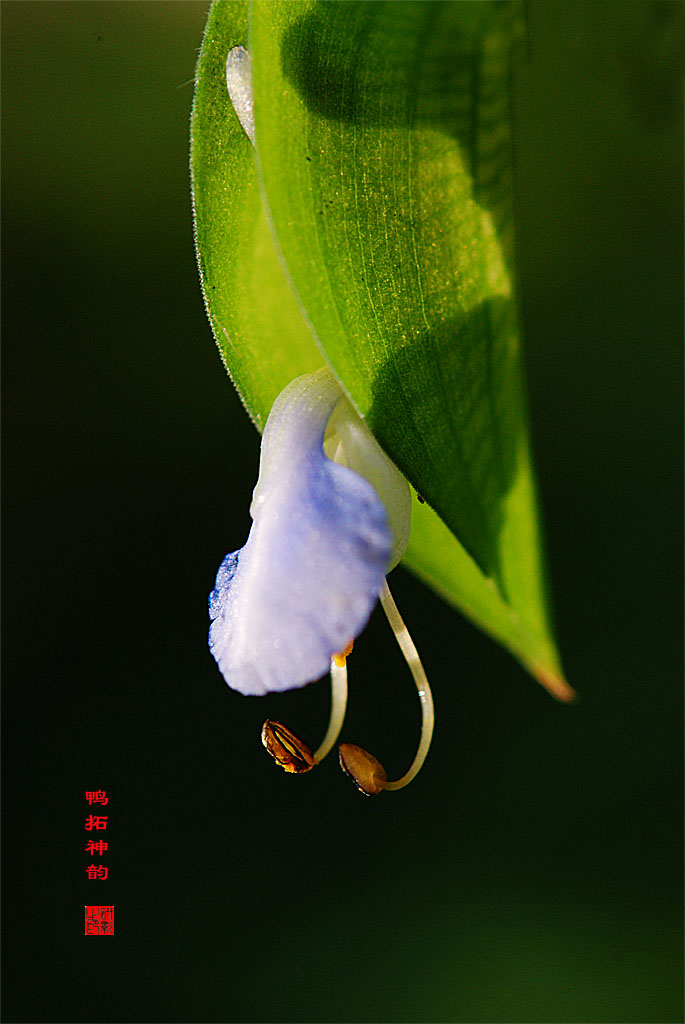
(314, 563)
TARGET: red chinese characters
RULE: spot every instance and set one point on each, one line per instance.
(98, 796)
(96, 823)
(97, 871)
(96, 847)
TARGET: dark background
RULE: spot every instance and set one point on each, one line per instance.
(532, 872)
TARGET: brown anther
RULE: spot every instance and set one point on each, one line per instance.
(287, 749)
(343, 655)
(366, 772)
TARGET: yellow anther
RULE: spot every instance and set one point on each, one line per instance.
(287, 749)
(366, 772)
(341, 658)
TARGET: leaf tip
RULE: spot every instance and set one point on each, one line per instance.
(555, 684)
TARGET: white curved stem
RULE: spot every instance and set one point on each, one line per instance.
(411, 656)
(338, 706)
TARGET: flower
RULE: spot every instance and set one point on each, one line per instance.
(331, 517)
(322, 540)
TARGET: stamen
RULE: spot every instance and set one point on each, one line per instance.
(341, 658)
(338, 707)
(287, 749)
(368, 773)
(291, 752)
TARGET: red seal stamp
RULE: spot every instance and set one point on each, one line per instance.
(99, 920)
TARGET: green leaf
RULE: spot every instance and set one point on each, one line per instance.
(255, 317)
(384, 160)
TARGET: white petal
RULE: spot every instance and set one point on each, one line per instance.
(350, 442)
(306, 582)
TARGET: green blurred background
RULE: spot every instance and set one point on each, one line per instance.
(533, 870)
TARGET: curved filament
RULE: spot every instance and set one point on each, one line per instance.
(411, 656)
(291, 752)
(368, 773)
(338, 706)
